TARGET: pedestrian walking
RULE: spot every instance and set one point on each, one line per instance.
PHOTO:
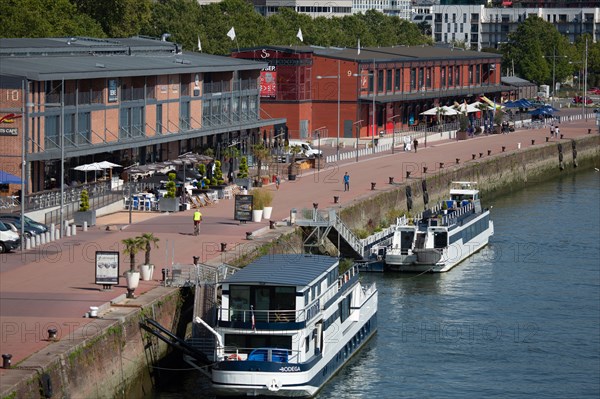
(346, 182)
(197, 220)
(552, 131)
(416, 144)
(557, 131)
(277, 181)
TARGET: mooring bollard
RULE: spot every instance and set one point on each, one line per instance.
(473, 156)
(6, 360)
(373, 185)
(224, 244)
(424, 169)
(547, 139)
(457, 161)
(441, 165)
(532, 142)
(480, 154)
(589, 131)
(272, 224)
(562, 136)
(336, 199)
(489, 152)
(248, 235)
(315, 205)
(408, 174)
(503, 148)
(93, 312)
(391, 179)
(52, 334)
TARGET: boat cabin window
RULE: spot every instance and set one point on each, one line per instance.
(262, 298)
(440, 239)
(406, 239)
(245, 343)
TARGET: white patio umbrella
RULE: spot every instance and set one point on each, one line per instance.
(108, 165)
(88, 167)
(465, 108)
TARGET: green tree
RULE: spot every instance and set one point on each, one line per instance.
(118, 18)
(147, 242)
(132, 247)
(45, 18)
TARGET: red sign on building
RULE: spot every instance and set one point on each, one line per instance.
(268, 83)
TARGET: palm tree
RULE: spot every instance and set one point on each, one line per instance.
(147, 241)
(132, 247)
(261, 153)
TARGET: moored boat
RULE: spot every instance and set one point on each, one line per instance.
(287, 324)
(443, 236)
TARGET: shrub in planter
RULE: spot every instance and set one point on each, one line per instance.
(84, 201)
(84, 214)
(171, 186)
(218, 176)
(243, 172)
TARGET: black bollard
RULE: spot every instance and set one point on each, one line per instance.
(489, 152)
(589, 131)
(373, 185)
(457, 161)
(52, 334)
(223, 247)
(480, 154)
(503, 148)
(391, 179)
(315, 205)
(6, 360)
(272, 224)
(336, 199)
(407, 174)
(547, 138)
(196, 260)
(473, 156)
(562, 136)
(248, 235)
(442, 165)
(532, 142)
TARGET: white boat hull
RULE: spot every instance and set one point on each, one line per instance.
(453, 255)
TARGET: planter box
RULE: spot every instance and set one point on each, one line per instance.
(291, 177)
(461, 135)
(168, 204)
(220, 191)
(85, 216)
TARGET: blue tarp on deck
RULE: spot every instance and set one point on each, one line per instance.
(7, 178)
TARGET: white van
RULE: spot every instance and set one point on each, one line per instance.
(9, 239)
(306, 149)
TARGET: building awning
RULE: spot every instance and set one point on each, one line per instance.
(7, 178)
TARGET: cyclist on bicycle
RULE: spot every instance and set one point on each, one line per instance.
(197, 220)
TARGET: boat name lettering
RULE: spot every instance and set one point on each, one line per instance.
(288, 369)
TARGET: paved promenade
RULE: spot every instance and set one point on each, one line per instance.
(53, 286)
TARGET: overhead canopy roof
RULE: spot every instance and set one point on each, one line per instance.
(79, 58)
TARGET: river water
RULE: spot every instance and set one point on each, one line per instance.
(518, 319)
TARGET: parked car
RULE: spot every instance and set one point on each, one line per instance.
(579, 100)
(595, 90)
(30, 224)
(14, 228)
(9, 240)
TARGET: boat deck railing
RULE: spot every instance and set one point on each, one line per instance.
(262, 354)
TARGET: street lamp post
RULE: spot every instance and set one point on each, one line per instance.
(391, 118)
(357, 134)
(554, 57)
(373, 135)
(318, 132)
(339, 78)
(61, 142)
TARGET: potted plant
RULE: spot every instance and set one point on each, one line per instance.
(243, 179)
(132, 247)
(147, 241)
(258, 204)
(169, 203)
(217, 181)
(261, 154)
(84, 214)
(463, 124)
(267, 200)
(293, 168)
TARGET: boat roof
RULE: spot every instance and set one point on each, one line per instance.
(284, 269)
(463, 187)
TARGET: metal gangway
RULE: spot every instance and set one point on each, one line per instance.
(326, 224)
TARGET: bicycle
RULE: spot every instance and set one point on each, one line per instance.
(197, 228)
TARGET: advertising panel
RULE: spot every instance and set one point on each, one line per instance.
(268, 82)
(107, 268)
(243, 208)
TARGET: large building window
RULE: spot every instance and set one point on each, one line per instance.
(477, 74)
(184, 115)
(380, 76)
(443, 76)
(131, 122)
(388, 80)
(413, 79)
(52, 132)
(450, 76)
(397, 80)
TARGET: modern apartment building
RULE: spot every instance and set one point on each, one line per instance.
(376, 89)
(341, 8)
(481, 27)
(125, 100)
